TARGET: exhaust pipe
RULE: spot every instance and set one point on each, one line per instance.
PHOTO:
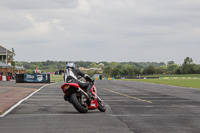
(83, 92)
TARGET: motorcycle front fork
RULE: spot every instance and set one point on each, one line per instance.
(83, 99)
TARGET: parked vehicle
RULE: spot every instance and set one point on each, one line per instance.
(80, 99)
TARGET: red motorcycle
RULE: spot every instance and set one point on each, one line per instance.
(80, 99)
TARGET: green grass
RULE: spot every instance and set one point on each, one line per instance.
(56, 78)
(173, 75)
(191, 83)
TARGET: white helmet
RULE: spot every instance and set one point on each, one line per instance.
(70, 65)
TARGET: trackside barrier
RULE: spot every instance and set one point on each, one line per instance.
(58, 78)
(3, 78)
(104, 78)
(179, 77)
(7, 78)
(32, 78)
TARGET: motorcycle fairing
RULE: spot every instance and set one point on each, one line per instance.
(68, 87)
(94, 103)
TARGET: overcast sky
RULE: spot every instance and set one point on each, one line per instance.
(101, 30)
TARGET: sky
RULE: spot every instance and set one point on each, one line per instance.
(101, 30)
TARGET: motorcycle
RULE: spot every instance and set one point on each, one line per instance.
(80, 99)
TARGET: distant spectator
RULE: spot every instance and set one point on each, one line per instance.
(1, 73)
(57, 72)
(100, 76)
(61, 71)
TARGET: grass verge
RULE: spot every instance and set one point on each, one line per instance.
(56, 78)
(171, 75)
(191, 83)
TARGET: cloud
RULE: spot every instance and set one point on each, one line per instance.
(38, 4)
(119, 30)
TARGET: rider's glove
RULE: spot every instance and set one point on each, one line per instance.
(87, 77)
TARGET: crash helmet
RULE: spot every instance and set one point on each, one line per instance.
(70, 65)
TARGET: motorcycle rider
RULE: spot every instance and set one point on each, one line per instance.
(72, 76)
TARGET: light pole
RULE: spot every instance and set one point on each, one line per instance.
(6, 57)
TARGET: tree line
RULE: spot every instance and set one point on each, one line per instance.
(131, 70)
(119, 69)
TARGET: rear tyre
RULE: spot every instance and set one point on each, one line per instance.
(101, 105)
(75, 99)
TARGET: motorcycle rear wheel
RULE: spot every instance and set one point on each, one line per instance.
(75, 99)
(101, 105)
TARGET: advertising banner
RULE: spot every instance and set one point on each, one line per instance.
(35, 78)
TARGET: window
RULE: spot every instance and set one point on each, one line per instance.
(2, 57)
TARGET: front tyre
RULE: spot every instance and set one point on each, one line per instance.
(101, 105)
(76, 101)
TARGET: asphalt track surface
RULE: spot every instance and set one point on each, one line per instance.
(132, 107)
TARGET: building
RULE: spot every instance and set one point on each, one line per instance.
(87, 69)
(5, 69)
(96, 69)
(84, 69)
(20, 70)
(6, 57)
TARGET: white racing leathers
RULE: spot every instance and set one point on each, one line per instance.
(71, 76)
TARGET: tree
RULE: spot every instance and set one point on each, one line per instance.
(33, 67)
(149, 70)
(137, 70)
(101, 65)
(113, 64)
(93, 65)
(124, 72)
(164, 67)
(172, 67)
(178, 70)
(188, 67)
(197, 69)
(116, 72)
(131, 71)
(107, 71)
(187, 61)
(161, 69)
(13, 64)
(170, 63)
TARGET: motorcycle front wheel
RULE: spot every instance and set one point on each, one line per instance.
(101, 105)
(76, 101)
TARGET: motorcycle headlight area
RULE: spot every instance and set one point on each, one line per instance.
(66, 87)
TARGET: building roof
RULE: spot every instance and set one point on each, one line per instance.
(19, 68)
(3, 51)
(4, 65)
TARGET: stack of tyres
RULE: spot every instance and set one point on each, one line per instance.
(3, 78)
(7, 78)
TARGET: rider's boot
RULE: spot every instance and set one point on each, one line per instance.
(67, 98)
(88, 92)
